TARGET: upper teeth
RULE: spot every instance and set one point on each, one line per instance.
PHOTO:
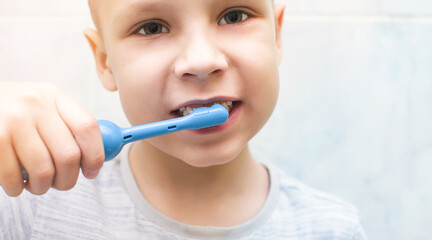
(188, 109)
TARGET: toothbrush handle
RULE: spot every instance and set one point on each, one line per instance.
(149, 130)
(199, 118)
(115, 138)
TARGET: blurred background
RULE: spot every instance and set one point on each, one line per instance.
(355, 108)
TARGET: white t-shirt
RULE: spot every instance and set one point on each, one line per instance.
(112, 207)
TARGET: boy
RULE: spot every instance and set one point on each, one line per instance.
(165, 58)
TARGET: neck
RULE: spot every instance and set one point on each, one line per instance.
(200, 196)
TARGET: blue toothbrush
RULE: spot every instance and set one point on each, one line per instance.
(114, 137)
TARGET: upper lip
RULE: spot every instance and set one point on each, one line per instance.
(203, 101)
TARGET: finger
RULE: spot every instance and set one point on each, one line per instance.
(86, 132)
(63, 149)
(10, 170)
(35, 158)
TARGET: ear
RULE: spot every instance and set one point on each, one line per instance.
(279, 9)
(102, 65)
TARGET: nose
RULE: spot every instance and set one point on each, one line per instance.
(200, 59)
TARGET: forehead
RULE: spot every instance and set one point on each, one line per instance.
(104, 8)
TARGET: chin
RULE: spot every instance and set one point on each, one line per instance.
(211, 158)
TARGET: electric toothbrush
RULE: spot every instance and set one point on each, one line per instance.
(114, 137)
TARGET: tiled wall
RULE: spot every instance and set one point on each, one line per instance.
(355, 109)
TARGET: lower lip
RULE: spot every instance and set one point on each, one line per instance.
(233, 116)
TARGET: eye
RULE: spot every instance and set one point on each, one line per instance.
(235, 16)
(150, 28)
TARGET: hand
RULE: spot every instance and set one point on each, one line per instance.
(47, 133)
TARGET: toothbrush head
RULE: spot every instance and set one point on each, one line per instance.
(205, 117)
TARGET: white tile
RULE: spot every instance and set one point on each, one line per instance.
(55, 50)
(354, 118)
(23, 7)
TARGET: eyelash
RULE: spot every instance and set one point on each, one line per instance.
(243, 17)
(222, 21)
(142, 27)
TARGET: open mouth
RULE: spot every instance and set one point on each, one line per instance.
(183, 111)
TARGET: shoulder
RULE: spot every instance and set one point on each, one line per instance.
(310, 211)
(302, 197)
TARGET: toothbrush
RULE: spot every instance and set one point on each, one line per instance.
(114, 137)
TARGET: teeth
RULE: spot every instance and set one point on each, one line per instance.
(187, 111)
(225, 105)
(183, 111)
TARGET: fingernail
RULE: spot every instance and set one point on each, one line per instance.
(91, 174)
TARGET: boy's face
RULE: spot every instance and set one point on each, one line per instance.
(163, 55)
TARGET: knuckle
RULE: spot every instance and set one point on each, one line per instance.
(31, 97)
(44, 172)
(94, 163)
(34, 98)
(89, 124)
(16, 118)
(22, 111)
(70, 157)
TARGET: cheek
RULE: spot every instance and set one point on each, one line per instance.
(141, 77)
(258, 68)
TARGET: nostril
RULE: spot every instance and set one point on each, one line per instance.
(203, 75)
(217, 72)
(204, 70)
(187, 75)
